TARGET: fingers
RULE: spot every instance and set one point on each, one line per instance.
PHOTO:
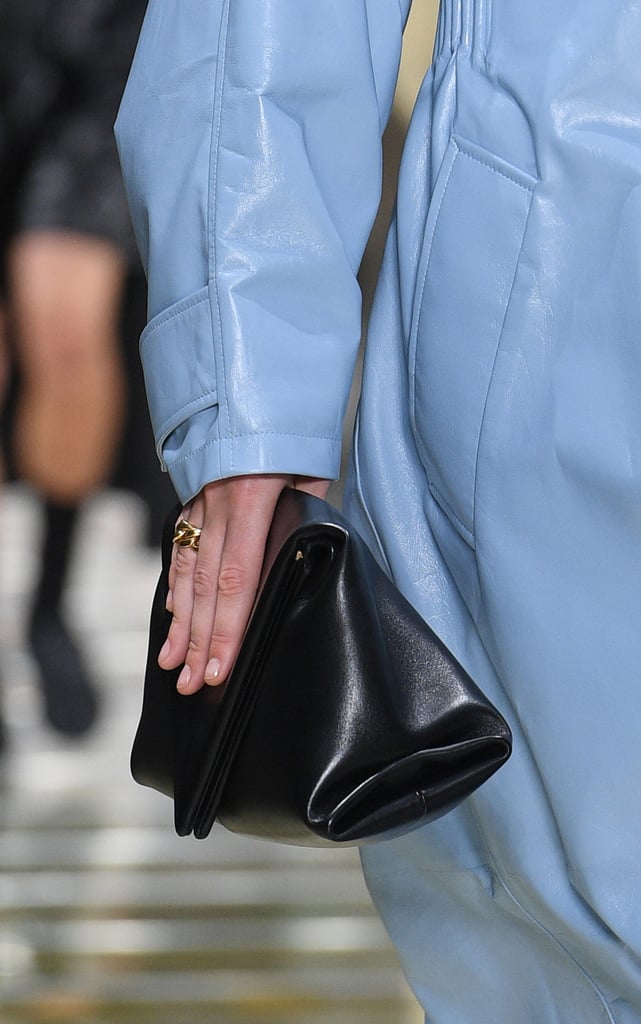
(212, 591)
(180, 597)
(238, 579)
(203, 608)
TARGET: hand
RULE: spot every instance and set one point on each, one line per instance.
(212, 590)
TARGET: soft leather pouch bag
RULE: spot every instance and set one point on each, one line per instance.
(345, 718)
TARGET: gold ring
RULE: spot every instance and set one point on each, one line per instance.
(187, 535)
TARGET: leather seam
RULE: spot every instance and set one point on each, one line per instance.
(170, 314)
(499, 343)
(169, 425)
(254, 433)
(437, 215)
(358, 487)
(553, 938)
(464, 531)
(495, 170)
(216, 316)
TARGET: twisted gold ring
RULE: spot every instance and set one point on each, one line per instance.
(187, 535)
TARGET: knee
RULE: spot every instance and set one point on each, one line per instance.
(65, 345)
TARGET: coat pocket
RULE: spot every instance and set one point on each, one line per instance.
(473, 238)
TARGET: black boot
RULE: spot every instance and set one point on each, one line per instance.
(70, 699)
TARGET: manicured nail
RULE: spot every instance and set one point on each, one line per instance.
(212, 671)
(164, 651)
(183, 679)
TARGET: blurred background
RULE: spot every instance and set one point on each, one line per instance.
(106, 916)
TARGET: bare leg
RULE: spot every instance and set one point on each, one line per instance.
(65, 294)
(65, 297)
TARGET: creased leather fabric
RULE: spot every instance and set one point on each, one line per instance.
(250, 137)
(497, 463)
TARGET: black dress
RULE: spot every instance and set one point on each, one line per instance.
(63, 66)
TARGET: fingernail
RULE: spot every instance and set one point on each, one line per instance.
(212, 671)
(184, 678)
(164, 651)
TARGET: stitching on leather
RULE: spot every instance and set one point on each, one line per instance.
(171, 314)
(212, 213)
(168, 425)
(514, 181)
(254, 433)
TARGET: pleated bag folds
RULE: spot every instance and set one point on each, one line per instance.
(345, 719)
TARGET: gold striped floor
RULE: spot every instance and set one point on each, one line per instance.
(105, 916)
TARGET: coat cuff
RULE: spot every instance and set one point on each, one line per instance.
(195, 444)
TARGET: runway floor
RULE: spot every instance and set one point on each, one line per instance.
(105, 915)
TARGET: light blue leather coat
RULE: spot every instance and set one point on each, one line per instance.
(497, 466)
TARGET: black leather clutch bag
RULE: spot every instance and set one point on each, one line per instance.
(344, 720)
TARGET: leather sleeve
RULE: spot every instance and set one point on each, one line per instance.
(250, 140)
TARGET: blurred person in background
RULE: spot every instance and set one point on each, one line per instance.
(67, 249)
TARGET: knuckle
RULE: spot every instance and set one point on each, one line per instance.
(204, 582)
(196, 646)
(220, 638)
(232, 581)
(183, 560)
(221, 642)
(178, 622)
